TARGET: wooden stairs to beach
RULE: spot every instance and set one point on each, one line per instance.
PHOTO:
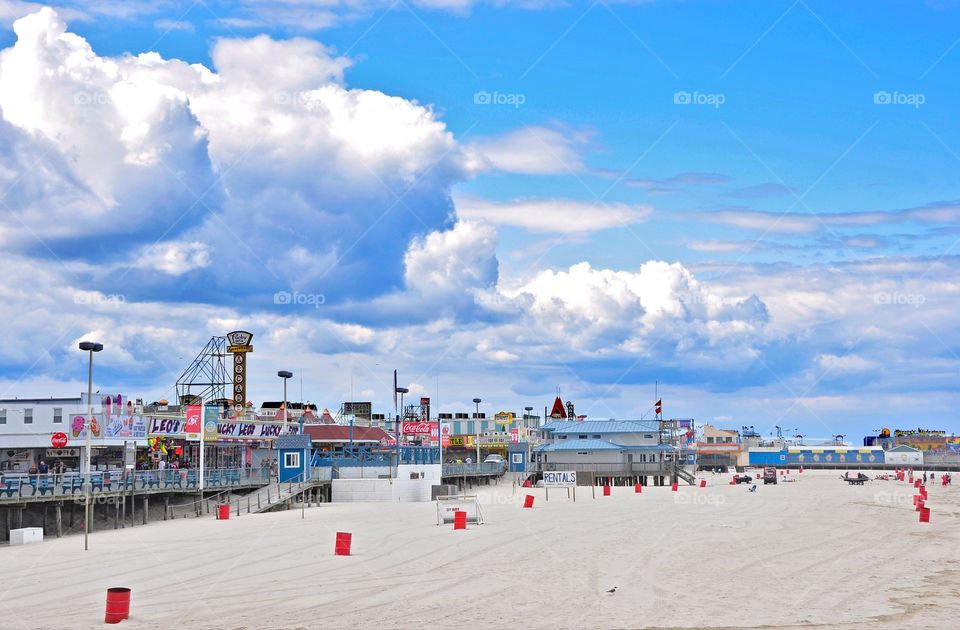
(687, 476)
(271, 497)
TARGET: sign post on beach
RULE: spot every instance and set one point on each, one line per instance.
(560, 479)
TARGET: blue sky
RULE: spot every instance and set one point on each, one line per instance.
(755, 203)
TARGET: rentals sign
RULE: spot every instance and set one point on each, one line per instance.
(559, 479)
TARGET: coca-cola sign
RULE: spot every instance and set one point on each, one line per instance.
(416, 428)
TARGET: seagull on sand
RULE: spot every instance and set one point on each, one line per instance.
(612, 590)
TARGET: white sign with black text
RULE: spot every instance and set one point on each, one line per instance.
(559, 479)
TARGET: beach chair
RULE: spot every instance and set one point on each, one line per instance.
(753, 488)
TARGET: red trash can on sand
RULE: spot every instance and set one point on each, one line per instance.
(223, 512)
(118, 605)
(342, 546)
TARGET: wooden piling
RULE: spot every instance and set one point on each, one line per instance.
(146, 509)
(59, 517)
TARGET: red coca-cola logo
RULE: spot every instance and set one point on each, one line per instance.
(415, 428)
(58, 439)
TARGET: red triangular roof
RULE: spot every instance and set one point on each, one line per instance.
(558, 411)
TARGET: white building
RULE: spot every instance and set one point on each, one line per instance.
(611, 448)
(904, 455)
(27, 426)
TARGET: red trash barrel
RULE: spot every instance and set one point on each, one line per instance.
(223, 512)
(919, 505)
(342, 547)
(925, 515)
(527, 484)
(673, 486)
(118, 605)
(703, 483)
(606, 491)
(638, 488)
(459, 519)
(528, 501)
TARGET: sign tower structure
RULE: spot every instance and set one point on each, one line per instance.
(239, 346)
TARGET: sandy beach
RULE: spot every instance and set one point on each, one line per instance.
(813, 553)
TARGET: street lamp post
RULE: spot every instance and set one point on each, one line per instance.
(396, 426)
(89, 347)
(476, 426)
(284, 374)
(526, 426)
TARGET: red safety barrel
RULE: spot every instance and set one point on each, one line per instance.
(703, 483)
(118, 604)
(459, 519)
(528, 501)
(674, 486)
(223, 511)
(925, 515)
(638, 488)
(342, 546)
(606, 491)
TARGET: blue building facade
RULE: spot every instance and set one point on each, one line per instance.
(814, 456)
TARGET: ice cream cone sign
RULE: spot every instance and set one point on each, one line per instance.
(76, 425)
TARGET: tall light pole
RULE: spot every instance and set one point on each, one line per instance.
(476, 426)
(284, 374)
(526, 426)
(396, 426)
(89, 347)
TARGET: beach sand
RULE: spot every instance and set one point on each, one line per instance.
(814, 553)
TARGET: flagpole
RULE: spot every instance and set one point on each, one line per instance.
(203, 429)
